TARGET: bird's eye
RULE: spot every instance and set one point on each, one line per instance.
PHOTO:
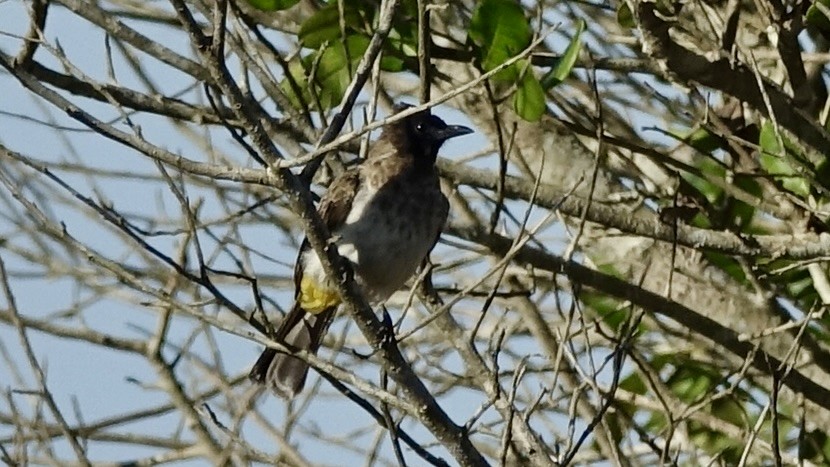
(419, 127)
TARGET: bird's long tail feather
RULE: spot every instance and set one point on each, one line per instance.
(299, 330)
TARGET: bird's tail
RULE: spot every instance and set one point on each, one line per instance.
(299, 330)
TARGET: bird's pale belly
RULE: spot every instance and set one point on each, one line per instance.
(385, 258)
(385, 246)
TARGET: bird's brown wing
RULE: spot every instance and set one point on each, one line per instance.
(337, 202)
(287, 374)
(334, 209)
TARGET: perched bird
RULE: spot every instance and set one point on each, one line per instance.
(385, 215)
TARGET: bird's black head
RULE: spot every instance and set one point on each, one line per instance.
(422, 134)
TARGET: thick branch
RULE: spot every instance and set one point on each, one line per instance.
(796, 246)
(706, 327)
(730, 77)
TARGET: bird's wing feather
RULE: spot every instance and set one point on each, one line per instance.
(334, 209)
(383, 147)
(337, 202)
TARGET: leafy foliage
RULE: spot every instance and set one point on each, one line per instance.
(501, 31)
(324, 74)
(776, 161)
(273, 5)
(817, 16)
(565, 63)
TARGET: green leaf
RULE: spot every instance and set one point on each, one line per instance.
(775, 163)
(726, 448)
(817, 18)
(335, 69)
(625, 17)
(404, 33)
(703, 140)
(332, 75)
(297, 71)
(501, 31)
(741, 213)
(691, 381)
(396, 51)
(529, 100)
(728, 265)
(634, 383)
(707, 165)
(730, 410)
(324, 26)
(800, 287)
(335, 65)
(273, 5)
(814, 445)
(390, 62)
(566, 62)
(614, 312)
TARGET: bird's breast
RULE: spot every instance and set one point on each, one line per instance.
(389, 231)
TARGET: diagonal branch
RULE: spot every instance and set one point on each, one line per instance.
(730, 77)
(434, 418)
(762, 360)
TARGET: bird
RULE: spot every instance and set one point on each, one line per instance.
(385, 215)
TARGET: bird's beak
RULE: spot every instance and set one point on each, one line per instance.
(451, 131)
